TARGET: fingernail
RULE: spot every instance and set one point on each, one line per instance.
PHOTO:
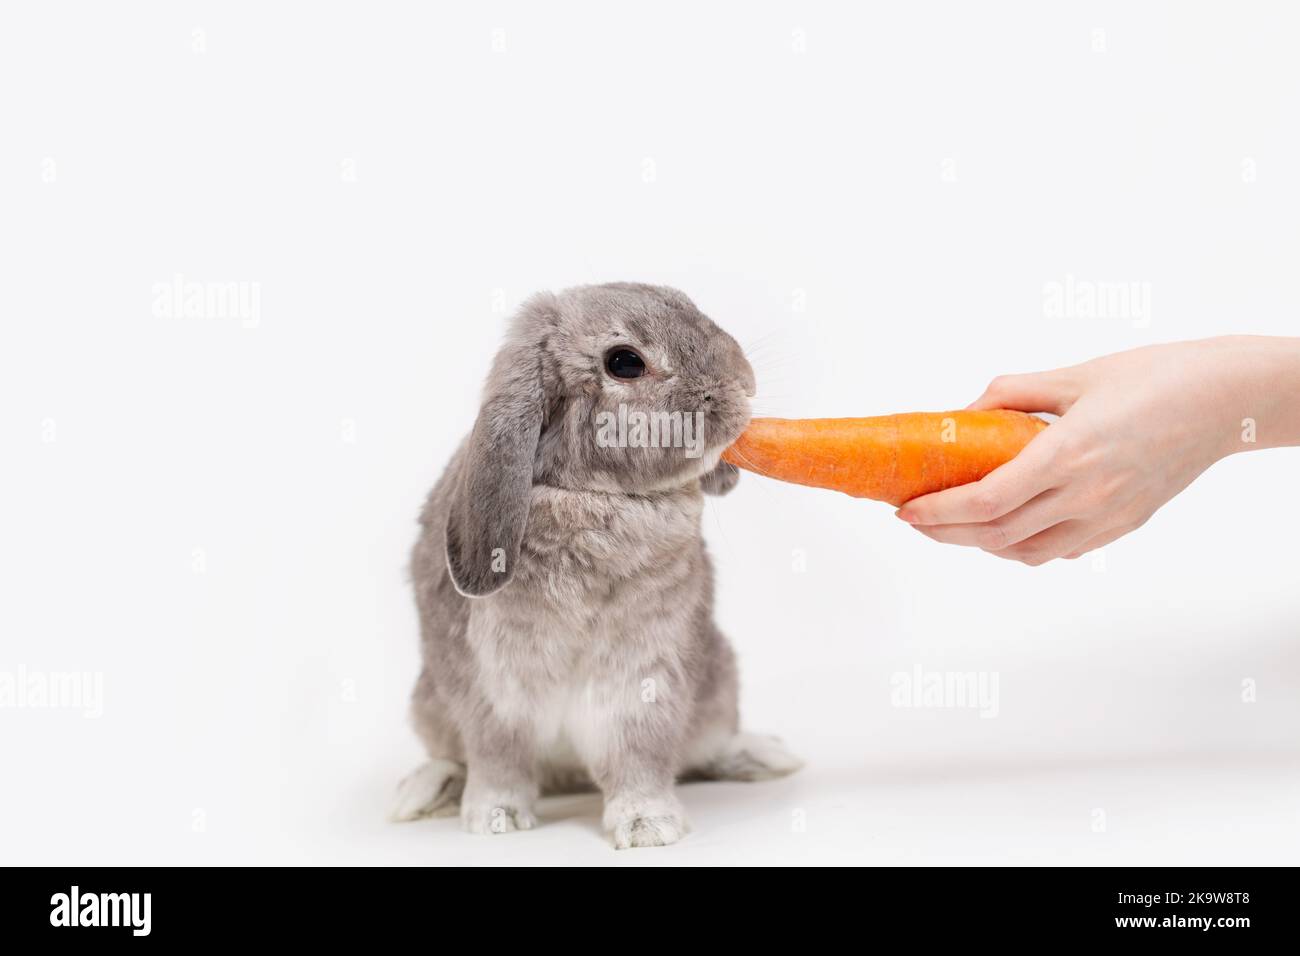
(901, 516)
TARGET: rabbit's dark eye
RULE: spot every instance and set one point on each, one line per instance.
(624, 363)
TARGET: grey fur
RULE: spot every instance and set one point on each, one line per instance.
(564, 591)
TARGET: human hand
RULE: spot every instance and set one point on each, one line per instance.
(1136, 428)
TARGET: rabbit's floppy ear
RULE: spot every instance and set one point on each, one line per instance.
(489, 510)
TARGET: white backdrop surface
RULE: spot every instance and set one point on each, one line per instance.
(210, 513)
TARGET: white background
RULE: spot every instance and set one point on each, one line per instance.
(216, 518)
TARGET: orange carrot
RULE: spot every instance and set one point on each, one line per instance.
(892, 458)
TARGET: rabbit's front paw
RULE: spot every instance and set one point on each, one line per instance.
(657, 821)
(491, 817)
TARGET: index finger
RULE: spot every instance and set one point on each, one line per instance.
(1000, 491)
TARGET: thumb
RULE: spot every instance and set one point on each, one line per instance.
(1053, 392)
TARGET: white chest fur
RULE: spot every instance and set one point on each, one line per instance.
(588, 634)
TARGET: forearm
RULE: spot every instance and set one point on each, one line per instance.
(1260, 398)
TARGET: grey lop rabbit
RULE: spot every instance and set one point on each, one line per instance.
(564, 592)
